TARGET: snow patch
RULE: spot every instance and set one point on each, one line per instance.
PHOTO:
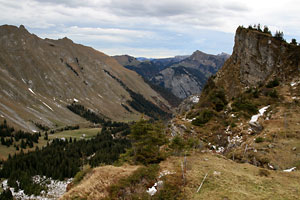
(220, 150)
(75, 100)
(270, 166)
(55, 189)
(228, 131)
(254, 118)
(152, 190)
(91, 156)
(188, 120)
(294, 83)
(47, 106)
(195, 99)
(235, 140)
(31, 91)
(290, 170)
(164, 173)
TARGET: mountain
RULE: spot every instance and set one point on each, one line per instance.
(180, 75)
(249, 110)
(238, 139)
(41, 77)
(257, 58)
(188, 76)
(147, 68)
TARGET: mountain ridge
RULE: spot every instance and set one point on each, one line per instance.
(181, 75)
(40, 77)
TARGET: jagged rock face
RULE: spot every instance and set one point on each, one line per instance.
(257, 55)
(182, 75)
(147, 68)
(180, 81)
(189, 76)
(38, 78)
(256, 58)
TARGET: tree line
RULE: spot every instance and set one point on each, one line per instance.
(9, 136)
(278, 34)
(62, 159)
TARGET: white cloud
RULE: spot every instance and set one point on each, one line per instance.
(91, 34)
(144, 52)
(171, 25)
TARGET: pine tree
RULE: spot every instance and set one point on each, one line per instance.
(46, 136)
(294, 41)
(266, 30)
(147, 140)
(279, 35)
(6, 195)
(23, 144)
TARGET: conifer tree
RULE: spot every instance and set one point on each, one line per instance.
(147, 138)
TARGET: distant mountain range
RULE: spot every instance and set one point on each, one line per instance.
(180, 75)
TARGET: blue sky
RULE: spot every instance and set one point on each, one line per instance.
(151, 28)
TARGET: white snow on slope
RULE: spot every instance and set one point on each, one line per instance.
(195, 99)
(290, 170)
(31, 91)
(153, 189)
(294, 83)
(254, 118)
(55, 189)
(164, 173)
(47, 106)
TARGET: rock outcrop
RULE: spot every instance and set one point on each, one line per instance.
(257, 57)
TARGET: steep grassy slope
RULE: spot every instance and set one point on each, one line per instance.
(39, 78)
(229, 180)
(96, 183)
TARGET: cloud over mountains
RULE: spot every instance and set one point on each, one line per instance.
(160, 28)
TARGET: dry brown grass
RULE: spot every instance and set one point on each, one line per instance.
(229, 180)
(94, 185)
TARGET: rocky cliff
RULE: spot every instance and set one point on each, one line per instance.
(181, 75)
(249, 111)
(40, 77)
(188, 76)
(257, 57)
